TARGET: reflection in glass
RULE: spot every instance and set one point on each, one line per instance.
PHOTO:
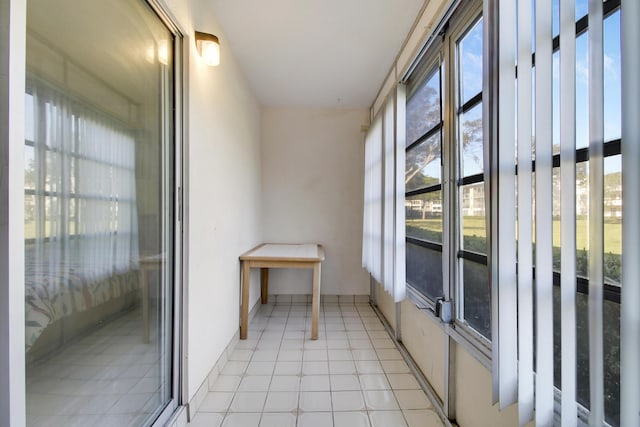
(424, 270)
(423, 108)
(98, 216)
(423, 164)
(423, 215)
(29, 167)
(471, 158)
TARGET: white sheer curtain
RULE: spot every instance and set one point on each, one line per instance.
(383, 242)
(372, 218)
(80, 189)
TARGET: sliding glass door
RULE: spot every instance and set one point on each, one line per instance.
(100, 237)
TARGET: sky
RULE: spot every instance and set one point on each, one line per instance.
(471, 78)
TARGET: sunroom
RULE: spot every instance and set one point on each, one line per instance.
(459, 167)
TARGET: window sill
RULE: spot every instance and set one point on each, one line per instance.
(479, 347)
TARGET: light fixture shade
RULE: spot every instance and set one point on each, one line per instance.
(208, 47)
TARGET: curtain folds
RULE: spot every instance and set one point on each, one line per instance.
(383, 237)
(80, 188)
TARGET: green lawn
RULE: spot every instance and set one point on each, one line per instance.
(475, 226)
(474, 239)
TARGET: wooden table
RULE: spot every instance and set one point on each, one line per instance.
(270, 255)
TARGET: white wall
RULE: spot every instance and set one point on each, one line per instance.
(424, 338)
(312, 191)
(424, 26)
(224, 193)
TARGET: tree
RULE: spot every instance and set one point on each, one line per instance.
(423, 115)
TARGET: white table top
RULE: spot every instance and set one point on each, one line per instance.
(285, 252)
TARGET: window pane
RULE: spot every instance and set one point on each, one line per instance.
(611, 353)
(471, 159)
(582, 8)
(613, 219)
(423, 164)
(582, 219)
(556, 17)
(52, 169)
(556, 222)
(29, 167)
(477, 296)
(612, 82)
(470, 56)
(29, 217)
(582, 91)
(29, 118)
(424, 270)
(555, 118)
(423, 215)
(473, 221)
(423, 108)
(611, 346)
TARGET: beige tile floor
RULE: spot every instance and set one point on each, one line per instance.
(108, 378)
(352, 376)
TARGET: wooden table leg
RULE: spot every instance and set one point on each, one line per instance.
(244, 322)
(264, 282)
(315, 303)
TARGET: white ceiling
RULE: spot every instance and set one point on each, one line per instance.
(317, 53)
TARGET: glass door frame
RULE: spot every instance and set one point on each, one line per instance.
(176, 311)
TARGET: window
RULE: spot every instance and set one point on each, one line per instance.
(423, 184)
(569, 161)
(445, 184)
(474, 303)
(611, 205)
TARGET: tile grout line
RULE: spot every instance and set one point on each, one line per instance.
(338, 311)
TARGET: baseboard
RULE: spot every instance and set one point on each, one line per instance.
(324, 299)
(179, 418)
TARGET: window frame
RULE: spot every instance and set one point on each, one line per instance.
(420, 77)
(442, 54)
(461, 25)
(443, 46)
(174, 145)
(41, 150)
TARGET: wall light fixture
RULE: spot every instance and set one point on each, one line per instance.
(208, 48)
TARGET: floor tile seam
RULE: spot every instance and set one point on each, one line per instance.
(386, 374)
